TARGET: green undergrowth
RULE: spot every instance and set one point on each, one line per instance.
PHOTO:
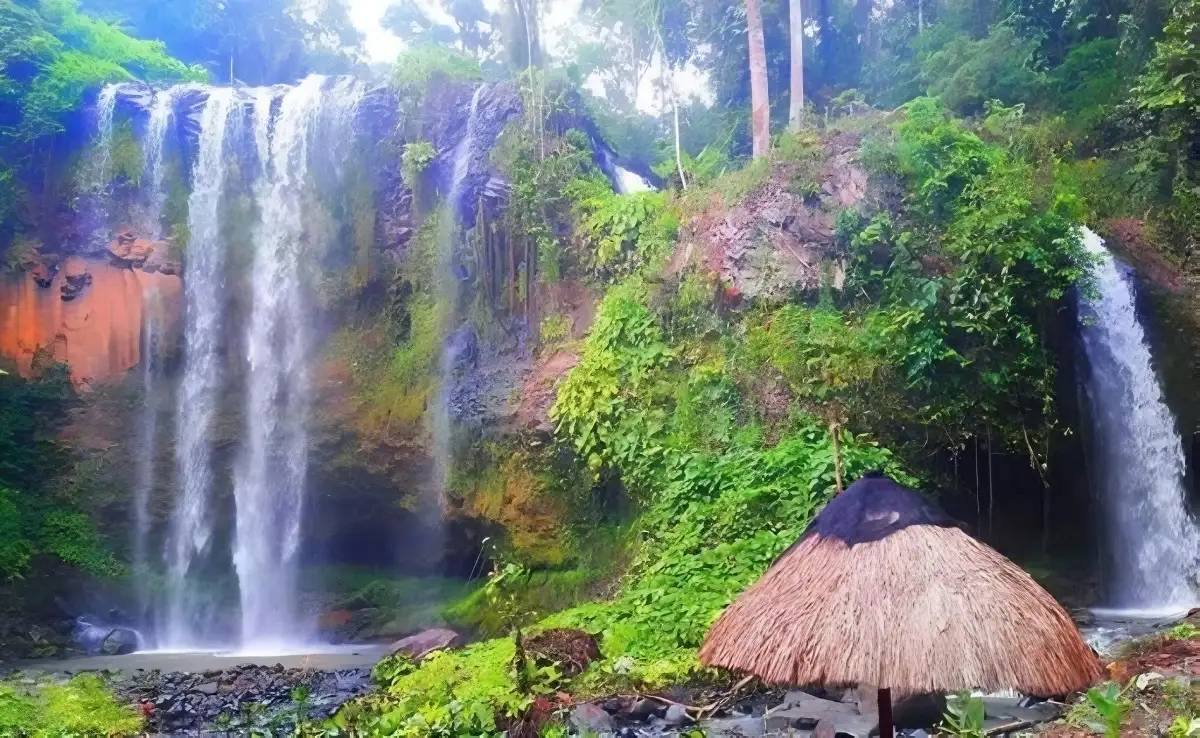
(81, 707)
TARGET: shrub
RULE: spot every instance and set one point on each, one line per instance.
(417, 155)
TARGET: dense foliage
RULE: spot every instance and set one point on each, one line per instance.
(79, 707)
(38, 522)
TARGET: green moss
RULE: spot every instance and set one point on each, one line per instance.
(536, 595)
(81, 707)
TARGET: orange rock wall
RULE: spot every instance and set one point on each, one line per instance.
(98, 333)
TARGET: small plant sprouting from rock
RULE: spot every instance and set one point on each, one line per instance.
(415, 159)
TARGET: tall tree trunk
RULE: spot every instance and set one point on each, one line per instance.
(796, 31)
(760, 101)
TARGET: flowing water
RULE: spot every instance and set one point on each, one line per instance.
(199, 391)
(269, 484)
(147, 450)
(1140, 462)
(447, 297)
(98, 165)
(161, 113)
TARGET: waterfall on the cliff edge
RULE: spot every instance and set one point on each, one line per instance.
(98, 165)
(161, 113)
(1140, 461)
(198, 393)
(269, 483)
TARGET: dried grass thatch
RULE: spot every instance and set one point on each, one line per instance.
(883, 590)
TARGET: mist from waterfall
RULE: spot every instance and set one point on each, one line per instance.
(1139, 458)
(204, 293)
(269, 482)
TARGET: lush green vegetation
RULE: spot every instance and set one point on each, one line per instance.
(41, 523)
(79, 707)
(699, 432)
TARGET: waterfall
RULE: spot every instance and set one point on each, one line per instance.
(269, 482)
(1140, 460)
(198, 393)
(97, 169)
(146, 452)
(447, 289)
(161, 113)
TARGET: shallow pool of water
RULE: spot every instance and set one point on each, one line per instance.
(321, 657)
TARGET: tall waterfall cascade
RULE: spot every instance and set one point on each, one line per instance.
(200, 388)
(1139, 459)
(269, 483)
(246, 348)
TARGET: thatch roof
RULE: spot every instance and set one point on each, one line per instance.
(883, 590)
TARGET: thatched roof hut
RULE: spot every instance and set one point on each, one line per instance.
(885, 589)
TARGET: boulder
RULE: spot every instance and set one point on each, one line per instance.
(588, 718)
(802, 711)
(422, 644)
(129, 251)
(121, 641)
(157, 257)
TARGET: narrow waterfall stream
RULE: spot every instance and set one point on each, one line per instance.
(448, 297)
(1139, 459)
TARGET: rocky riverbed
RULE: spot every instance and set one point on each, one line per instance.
(240, 699)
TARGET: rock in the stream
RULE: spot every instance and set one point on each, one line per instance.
(589, 717)
(736, 726)
(422, 644)
(676, 715)
(803, 711)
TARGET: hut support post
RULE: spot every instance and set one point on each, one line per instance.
(885, 714)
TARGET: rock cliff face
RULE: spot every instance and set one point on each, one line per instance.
(88, 313)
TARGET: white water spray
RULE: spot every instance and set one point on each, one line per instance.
(199, 391)
(1140, 459)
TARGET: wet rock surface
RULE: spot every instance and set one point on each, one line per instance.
(240, 699)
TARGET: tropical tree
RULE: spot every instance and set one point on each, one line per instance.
(796, 35)
(760, 103)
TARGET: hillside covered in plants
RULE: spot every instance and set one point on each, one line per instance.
(568, 319)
